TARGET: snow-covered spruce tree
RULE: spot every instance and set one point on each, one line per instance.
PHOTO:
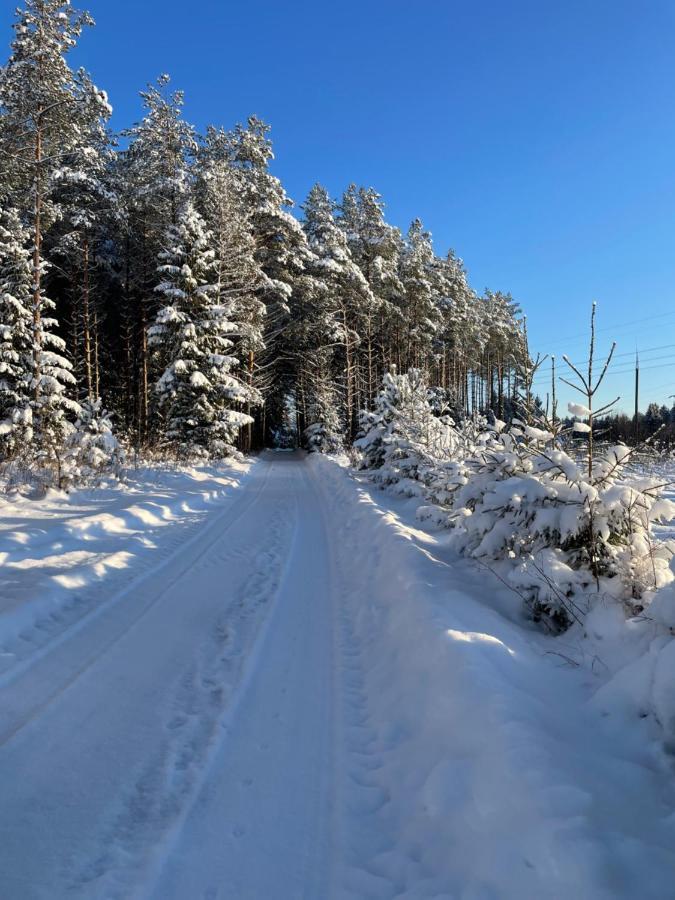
(325, 433)
(154, 183)
(92, 450)
(220, 193)
(402, 439)
(198, 395)
(16, 337)
(39, 128)
(376, 426)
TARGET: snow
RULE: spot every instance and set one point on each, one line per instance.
(498, 776)
(50, 547)
(268, 680)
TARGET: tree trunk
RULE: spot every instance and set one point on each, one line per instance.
(37, 265)
(86, 320)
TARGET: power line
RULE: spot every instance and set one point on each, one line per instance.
(584, 363)
(620, 371)
(540, 385)
(617, 327)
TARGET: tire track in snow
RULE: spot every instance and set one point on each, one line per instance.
(381, 857)
(82, 605)
(126, 593)
(259, 826)
(368, 840)
(167, 783)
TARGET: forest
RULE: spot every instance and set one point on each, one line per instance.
(157, 283)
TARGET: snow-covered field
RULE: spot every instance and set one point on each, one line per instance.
(267, 681)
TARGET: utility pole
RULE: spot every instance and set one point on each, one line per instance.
(637, 392)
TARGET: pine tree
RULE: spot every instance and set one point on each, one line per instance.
(198, 395)
(39, 95)
(419, 298)
(155, 183)
(375, 247)
(349, 298)
(89, 211)
(281, 253)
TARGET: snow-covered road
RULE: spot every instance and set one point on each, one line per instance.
(165, 746)
(304, 700)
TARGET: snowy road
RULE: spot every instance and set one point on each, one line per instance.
(305, 700)
(169, 747)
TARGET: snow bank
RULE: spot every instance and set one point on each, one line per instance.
(637, 655)
(57, 552)
(479, 760)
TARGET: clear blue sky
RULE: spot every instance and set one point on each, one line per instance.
(537, 139)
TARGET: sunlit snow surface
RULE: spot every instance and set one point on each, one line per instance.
(270, 682)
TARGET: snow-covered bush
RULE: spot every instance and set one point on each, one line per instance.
(321, 438)
(92, 450)
(551, 525)
(527, 500)
(89, 451)
(403, 438)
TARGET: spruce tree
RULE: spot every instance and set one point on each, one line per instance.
(198, 394)
(16, 336)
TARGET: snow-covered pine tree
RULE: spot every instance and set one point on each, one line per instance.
(375, 247)
(39, 128)
(349, 297)
(419, 299)
(154, 175)
(16, 336)
(309, 342)
(88, 212)
(282, 254)
(506, 350)
(198, 393)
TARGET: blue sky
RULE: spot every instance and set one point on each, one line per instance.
(537, 139)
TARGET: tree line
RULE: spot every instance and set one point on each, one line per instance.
(159, 274)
